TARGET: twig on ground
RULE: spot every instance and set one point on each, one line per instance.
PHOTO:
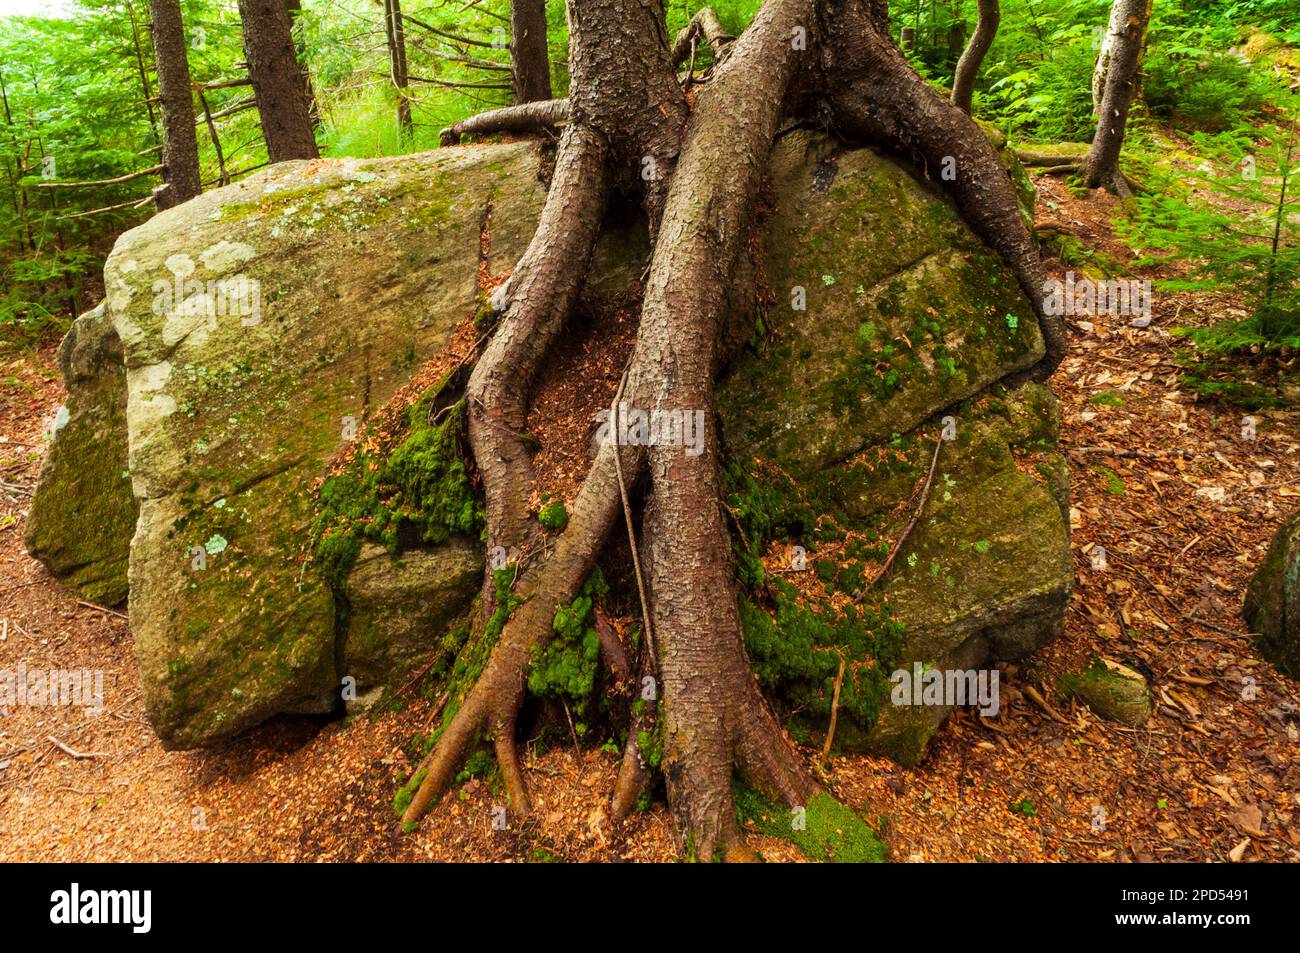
(99, 608)
(74, 753)
(835, 712)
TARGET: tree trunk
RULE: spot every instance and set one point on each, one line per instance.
(968, 67)
(530, 68)
(396, 36)
(1113, 28)
(282, 97)
(1129, 23)
(180, 152)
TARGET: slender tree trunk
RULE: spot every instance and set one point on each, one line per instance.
(282, 97)
(530, 74)
(144, 74)
(19, 194)
(1129, 21)
(968, 67)
(396, 37)
(180, 153)
(223, 177)
(1113, 28)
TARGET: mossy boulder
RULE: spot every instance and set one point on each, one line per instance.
(985, 575)
(83, 513)
(285, 551)
(888, 311)
(262, 325)
(1273, 600)
(401, 603)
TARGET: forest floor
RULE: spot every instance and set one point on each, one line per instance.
(1183, 504)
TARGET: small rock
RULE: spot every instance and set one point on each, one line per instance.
(1113, 691)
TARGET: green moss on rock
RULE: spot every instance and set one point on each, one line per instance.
(1114, 692)
(83, 512)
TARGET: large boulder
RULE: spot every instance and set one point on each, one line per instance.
(263, 325)
(1273, 600)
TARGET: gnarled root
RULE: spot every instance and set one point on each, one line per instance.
(494, 701)
(707, 169)
(538, 299)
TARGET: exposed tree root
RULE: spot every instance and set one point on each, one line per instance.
(877, 97)
(699, 715)
(540, 116)
(537, 300)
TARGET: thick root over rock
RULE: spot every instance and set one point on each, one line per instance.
(697, 171)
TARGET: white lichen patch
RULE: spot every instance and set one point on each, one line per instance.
(180, 265)
(192, 320)
(226, 256)
(149, 378)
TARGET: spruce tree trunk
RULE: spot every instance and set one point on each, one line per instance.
(530, 68)
(181, 179)
(282, 97)
(968, 67)
(1129, 21)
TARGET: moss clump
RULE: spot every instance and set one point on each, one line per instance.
(566, 668)
(553, 516)
(1112, 482)
(825, 829)
(796, 641)
(421, 488)
(406, 793)
(650, 744)
(796, 652)
(480, 764)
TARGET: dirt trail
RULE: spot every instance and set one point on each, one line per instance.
(1183, 505)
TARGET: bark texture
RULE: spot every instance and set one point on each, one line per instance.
(283, 100)
(530, 67)
(541, 116)
(1129, 23)
(181, 179)
(968, 67)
